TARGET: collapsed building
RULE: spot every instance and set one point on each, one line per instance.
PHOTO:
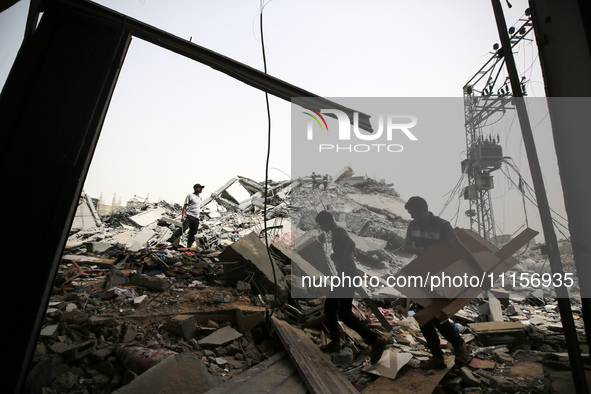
(38, 108)
(131, 311)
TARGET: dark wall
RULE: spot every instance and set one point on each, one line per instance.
(52, 108)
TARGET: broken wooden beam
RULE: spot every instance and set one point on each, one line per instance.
(316, 369)
(446, 301)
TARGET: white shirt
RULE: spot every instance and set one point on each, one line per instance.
(193, 203)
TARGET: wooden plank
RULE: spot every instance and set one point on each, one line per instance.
(441, 258)
(375, 310)
(410, 381)
(315, 368)
(425, 315)
(497, 327)
(277, 375)
(503, 266)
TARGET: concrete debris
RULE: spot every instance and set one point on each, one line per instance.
(132, 310)
(86, 216)
(179, 373)
(220, 337)
(256, 265)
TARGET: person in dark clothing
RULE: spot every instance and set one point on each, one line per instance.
(314, 181)
(325, 181)
(334, 308)
(424, 231)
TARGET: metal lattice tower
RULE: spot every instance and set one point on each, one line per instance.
(484, 96)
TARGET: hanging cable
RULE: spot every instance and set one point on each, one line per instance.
(532, 200)
(276, 297)
(452, 193)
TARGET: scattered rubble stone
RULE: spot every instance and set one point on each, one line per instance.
(131, 307)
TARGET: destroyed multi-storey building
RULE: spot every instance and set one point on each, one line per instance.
(130, 311)
(59, 90)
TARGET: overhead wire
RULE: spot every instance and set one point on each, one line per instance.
(265, 209)
(556, 223)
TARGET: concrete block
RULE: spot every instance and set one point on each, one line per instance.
(502, 295)
(97, 247)
(495, 311)
(182, 326)
(247, 321)
(243, 287)
(79, 350)
(150, 282)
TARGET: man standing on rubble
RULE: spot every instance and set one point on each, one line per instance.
(325, 181)
(424, 231)
(314, 182)
(190, 215)
(334, 308)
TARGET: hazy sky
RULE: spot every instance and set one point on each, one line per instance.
(173, 122)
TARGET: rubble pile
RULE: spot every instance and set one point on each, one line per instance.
(131, 309)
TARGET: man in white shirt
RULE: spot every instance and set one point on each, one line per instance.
(190, 215)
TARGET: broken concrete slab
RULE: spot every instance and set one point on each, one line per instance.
(179, 373)
(221, 337)
(86, 216)
(345, 172)
(49, 330)
(311, 249)
(381, 204)
(368, 245)
(353, 180)
(148, 217)
(141, 239)
(251, 251)
(468, 377)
